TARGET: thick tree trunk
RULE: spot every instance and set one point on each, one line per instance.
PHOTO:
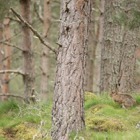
(45, 52)
(28, 66)
(68, 111)
(126, 80)
(118, 59)
(7, 56)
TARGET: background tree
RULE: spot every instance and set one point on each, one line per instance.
(118, 60)
(1, 51)
(28, 66)
(91, 50)
(45, 53)
(7, 57)
(4, 8)
(98, 52)
(68, 111)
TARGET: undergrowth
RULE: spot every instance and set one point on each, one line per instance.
(104, 119)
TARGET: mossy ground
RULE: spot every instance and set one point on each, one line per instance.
(105, 120)
(25, 122)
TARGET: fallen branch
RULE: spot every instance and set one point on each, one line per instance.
(12, 71)
(47, 44)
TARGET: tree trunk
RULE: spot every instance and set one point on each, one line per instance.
(118, 59)
(45, 52)
(1, 53)
(28, 66)
(106, 48)
(7, 56)
(68, 111)
(126, 80)
(91, 52)
(97, 63)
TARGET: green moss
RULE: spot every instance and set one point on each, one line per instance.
(113, 124)
(25, 131)
(105, 124)
(89, 96)
(1, 134)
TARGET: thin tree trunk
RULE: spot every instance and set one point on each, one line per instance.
(1, 53)
(7, 55)
(91, 51)
(68, 111)
(137, 70)
(45, 52)
(97, 63)
(28, 66)
(106, 48)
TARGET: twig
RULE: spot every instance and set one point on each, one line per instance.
(13, 19)
(12, 71)
(11, 45)
(47, 44)
(38, 13)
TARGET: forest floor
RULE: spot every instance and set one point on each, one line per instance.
(105, 120)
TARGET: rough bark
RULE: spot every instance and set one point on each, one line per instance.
(45, 52)
(118, 59)
(28, 66)
(68, 111)
(7, 56)
(127, 66)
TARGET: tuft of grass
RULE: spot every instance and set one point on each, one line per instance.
(90, 100)
(137, 97)
(7, 107)
(16, 119)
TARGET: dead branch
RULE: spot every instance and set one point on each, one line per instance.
(13, 19)
(12, 71)
(12, 37)
(45, 43)
(11, 45)
(12, 95)
(39, 15)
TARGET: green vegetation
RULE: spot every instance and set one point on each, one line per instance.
(104, 120)
(20, 121)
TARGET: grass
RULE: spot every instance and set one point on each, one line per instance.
(20, 121)
(105, 120)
